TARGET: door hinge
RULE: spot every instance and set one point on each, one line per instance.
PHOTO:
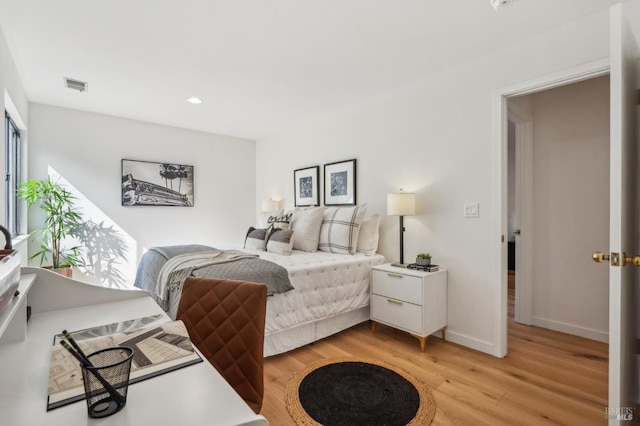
(502, 238)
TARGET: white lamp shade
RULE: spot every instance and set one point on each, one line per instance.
(401, 204)
(270, 205)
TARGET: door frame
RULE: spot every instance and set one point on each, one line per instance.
(500, 149)
(523, 121)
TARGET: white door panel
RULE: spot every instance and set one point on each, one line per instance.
(623, 280)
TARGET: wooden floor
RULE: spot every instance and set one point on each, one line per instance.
(546, 378)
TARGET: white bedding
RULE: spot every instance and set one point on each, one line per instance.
(331, 294)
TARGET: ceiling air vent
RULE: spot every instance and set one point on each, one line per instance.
(80, 86)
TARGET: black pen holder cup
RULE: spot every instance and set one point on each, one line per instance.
(107, 382)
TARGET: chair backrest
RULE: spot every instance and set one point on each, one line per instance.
(225, 320)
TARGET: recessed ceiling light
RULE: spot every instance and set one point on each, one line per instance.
(497, 4)
(194, 100)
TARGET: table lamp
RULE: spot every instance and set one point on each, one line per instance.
(270, 205)
(401, 204)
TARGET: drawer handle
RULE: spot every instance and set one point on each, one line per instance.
(397, 302)
(391, 274)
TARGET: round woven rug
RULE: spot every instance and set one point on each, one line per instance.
(356, 391)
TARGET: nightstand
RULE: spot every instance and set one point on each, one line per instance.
(409, 300)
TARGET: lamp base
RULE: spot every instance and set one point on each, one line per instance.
(399, 265)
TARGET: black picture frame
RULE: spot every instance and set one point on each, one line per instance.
(306, 186)
(340, 183)
(148, 183)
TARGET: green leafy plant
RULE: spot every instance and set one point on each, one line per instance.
(61, 220)
(423, 256)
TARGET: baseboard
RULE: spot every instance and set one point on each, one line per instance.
(489, 348)
(470, 342)
(587, 333)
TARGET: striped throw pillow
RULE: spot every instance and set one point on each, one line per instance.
(340, 229)
(280, 242)
(256, 239)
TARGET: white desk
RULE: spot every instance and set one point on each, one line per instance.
(194, 395)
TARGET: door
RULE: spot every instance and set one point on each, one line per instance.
(623, 280)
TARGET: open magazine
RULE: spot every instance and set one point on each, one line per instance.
(159, 347)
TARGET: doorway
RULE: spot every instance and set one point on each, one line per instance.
(504, 97)
(559, 180)
(623, 66)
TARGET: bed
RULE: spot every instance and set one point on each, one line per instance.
(330, 290)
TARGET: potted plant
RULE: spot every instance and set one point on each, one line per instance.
(61, 221)
(423, 259)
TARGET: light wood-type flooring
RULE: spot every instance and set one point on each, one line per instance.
(546, 378)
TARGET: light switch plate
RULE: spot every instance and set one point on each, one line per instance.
(471, 210)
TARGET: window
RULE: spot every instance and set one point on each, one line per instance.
(12, 178)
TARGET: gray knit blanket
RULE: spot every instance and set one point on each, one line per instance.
(162, 271)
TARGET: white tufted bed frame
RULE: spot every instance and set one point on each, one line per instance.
(331, 294)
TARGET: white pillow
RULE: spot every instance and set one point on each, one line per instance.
(340, 229)
(264, 218)
(306, 224)
(369, 235)
(280, 242)
(282, 221)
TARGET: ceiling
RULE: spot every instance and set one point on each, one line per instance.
(258, 65)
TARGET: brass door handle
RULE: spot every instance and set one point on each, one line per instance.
(600, 257)
(397, 302)
(616, 259)
(391, 274)
(516, 232)
(630, 259)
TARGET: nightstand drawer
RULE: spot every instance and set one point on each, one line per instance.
(400, 314)
(397, 286)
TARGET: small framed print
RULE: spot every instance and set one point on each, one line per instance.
(307, 186)
(340, 183)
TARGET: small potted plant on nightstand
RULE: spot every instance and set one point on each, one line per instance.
(423, 259)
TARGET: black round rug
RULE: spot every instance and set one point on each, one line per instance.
(356, 392)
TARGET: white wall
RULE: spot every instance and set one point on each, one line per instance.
(86, 149)
(435, 138)
(571, 214)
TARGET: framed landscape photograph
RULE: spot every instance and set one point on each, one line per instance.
(145, 183)
(340, 183)
(306, 186)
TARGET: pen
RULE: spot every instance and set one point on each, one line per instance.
(75, 345)
(76, 355)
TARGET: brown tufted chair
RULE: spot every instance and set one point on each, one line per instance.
(225, 320)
